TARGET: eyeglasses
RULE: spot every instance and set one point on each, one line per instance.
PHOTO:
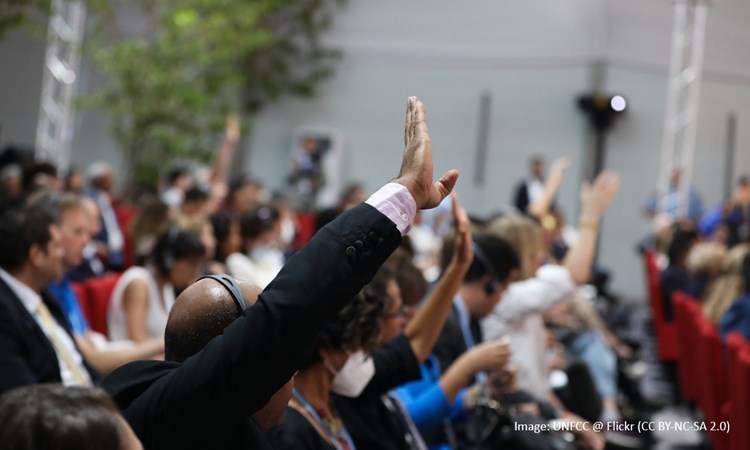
(402, 312)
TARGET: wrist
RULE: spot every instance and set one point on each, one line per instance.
(410, 186)
(588, 221)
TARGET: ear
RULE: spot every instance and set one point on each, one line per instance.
(334, 358)
(36, 255)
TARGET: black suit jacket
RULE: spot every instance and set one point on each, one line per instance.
(521, 197)
(26, 355)
(205, 401)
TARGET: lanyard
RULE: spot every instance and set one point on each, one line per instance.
(464, 322)
(324, 426)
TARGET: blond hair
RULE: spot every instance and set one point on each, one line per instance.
(705, 258)
(523, 234)
(727, 286)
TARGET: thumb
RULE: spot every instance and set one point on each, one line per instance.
(444, 186)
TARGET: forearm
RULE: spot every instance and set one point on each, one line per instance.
(456, 378)
(107, 360)
(423, 331)
(580, 257)
(541, 206)
(288, 315)
(221, 163)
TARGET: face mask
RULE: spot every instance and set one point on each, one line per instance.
(353, 377)
(288, 231)
(259, 254)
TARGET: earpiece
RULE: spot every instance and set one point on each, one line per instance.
(230, 284)
(492, 285)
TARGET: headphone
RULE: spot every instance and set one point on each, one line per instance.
(230, 284)
(492, 285)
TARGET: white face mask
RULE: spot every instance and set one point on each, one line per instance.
(354, 376)
(288, 232)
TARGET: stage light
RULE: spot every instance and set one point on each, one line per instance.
(618, 103)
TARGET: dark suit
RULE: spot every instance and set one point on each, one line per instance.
(26, 355)
(521, 197)
(205, 401)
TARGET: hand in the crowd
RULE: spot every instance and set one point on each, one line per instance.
(503, 381)
(596, 197)
(557, 172)
(488, 356)
(464, 249)
(417, 167)
(232, 129)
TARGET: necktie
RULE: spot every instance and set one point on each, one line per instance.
(51, 326)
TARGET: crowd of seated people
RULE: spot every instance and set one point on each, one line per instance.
(223, 331)
(698, 270)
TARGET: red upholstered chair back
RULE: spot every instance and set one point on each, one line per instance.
(99, 292)
(666, 332)
(82, 295)
(738, 377)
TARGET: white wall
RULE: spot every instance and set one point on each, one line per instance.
(532, 57)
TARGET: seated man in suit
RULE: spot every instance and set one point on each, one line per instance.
(103, 355)
(35, 341)
(204, 402)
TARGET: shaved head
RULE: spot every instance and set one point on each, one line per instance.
(200, 313)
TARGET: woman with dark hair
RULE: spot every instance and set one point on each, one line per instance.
(64, 418)
(261, 258)
(226, 225)
(339, 363)
(143, 295)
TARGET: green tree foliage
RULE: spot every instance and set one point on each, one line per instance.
(14, 13)
(168, 92)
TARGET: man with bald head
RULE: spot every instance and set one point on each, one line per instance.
(204, 400)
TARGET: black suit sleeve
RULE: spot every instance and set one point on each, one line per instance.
(26, 355)
(395, 364)
(237, 372)
(16, 369)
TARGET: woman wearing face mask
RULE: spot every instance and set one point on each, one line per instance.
(261, 258)
(339, 363)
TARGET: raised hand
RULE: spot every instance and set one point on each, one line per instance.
(417, 167)
(463, 254)
(596, 197)
(557, 172)
(232, 133)
(489, 356)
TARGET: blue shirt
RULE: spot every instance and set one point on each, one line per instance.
(737, 318)
(426, 402)
(672, 205)
(69, 303)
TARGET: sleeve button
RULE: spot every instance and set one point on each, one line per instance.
(351, 251)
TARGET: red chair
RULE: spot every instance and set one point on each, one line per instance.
(82, 295)
(305, 230)
(715, 393)
(100, 291)
(666, 332)
(125, 216)
(738, 377)
(689, 361)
